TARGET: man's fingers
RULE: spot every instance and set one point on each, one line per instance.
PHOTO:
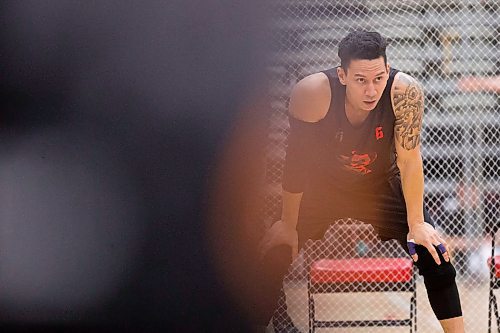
(442, 247)
(446, 253)
(442, 241)
(412, 247)
(437, 243)
(433, 252)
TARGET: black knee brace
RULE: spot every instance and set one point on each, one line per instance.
(440, 283)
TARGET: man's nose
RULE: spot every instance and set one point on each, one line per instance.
(370, 90)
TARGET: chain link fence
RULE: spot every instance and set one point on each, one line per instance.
(438, 43)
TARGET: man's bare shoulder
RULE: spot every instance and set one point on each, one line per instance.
(310, 98)
(408, 105)
(403, 81)
(406, 90)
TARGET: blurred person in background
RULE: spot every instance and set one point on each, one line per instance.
(479, 83)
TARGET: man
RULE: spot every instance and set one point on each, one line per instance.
(354, 151)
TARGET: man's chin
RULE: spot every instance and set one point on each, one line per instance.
(369, 106)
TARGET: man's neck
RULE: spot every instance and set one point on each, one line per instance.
(355, 116)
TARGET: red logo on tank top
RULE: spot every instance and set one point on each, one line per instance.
(358, 163)
(378, 133)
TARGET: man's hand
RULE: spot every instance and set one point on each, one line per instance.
(424, 234)
(280, 233)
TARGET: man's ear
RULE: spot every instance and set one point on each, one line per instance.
(388, 68)
(342, 75)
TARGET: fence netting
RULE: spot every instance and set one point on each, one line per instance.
(439, 43)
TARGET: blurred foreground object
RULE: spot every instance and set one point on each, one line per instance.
(114, 116)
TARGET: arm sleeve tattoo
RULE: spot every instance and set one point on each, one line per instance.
(408, 101)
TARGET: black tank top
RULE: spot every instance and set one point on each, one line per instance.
(354, 158)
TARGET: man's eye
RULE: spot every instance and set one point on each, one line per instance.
(378, 79)
(361, 80)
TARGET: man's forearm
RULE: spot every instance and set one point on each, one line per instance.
(291, 206)
(412, 180)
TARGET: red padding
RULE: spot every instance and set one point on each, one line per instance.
(362, 270)
(497, 265)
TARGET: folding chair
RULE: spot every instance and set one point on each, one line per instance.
(370, 272)
(494, 264)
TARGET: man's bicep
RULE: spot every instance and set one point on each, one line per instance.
(408, 104)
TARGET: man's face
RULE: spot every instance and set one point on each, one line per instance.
(365, 81)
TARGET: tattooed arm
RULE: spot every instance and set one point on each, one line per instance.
(408, 104)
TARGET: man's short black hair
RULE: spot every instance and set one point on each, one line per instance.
(361, 45)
